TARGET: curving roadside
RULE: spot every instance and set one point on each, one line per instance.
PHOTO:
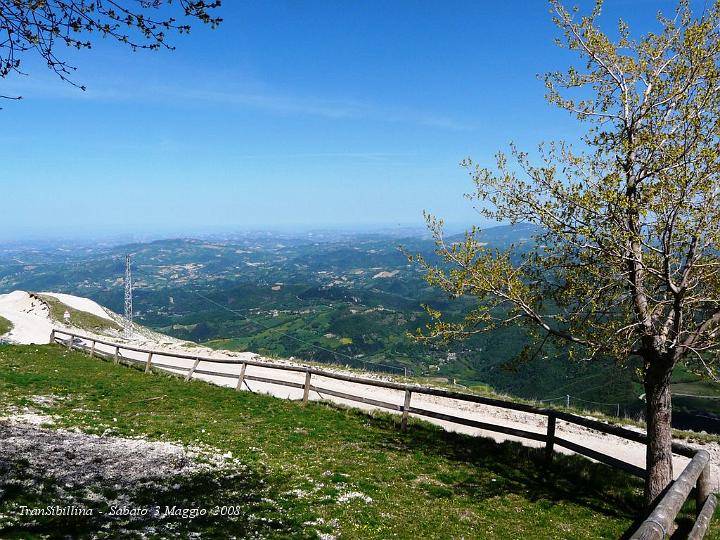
(623, 449)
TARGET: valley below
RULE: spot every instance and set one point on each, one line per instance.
(350, 299)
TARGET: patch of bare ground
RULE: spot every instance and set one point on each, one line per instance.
(82, 484)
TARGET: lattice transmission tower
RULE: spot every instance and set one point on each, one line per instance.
(127, 330)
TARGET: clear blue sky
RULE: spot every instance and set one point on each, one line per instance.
(291, 113)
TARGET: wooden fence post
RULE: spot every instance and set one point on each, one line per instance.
(68, 343)
(52, 336)
(192, 370)
(92, 349)
(703, 489)
(306, 388)
(550, 443)
(148, 364)
(406, 407)
(241, 377)
(117, 354)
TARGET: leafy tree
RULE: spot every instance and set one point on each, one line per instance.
(38, 27)
(628, 253)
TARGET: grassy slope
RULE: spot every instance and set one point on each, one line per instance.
(693, 393)
(80, 319)
(426, 483)
(5, 326)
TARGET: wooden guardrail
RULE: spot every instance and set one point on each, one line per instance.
(659, 523)
(656, 526)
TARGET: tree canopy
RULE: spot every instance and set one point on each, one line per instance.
(627, 255)
(42, 27)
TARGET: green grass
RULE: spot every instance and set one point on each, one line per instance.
(78, 318)
(695, 394)
(426, 483)
(686, 382)
(5, 326)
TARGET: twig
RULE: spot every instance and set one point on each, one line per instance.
(148, 399)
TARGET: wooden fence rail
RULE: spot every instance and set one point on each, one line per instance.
(658, 523)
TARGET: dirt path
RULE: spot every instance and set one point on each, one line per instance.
(628, 451)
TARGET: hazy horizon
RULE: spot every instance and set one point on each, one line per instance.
(117, 236)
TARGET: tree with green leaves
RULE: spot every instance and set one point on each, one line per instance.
(41, 27)
(626, 264)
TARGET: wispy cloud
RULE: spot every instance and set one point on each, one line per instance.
(214, 91)
(368, 156)
(267, 101)
(312, 106)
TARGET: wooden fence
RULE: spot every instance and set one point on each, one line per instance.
(658, 524)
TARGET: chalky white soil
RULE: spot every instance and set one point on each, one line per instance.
(78, 460)
(70, 469)
(32, 322)
(30, 318)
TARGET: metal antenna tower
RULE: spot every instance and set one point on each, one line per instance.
(127, 330)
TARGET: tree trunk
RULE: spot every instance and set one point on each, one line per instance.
(659, 430)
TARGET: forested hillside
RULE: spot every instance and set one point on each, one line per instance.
(346, 298)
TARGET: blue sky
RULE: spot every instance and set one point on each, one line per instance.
(290, 114)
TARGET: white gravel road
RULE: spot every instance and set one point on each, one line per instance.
(623, 449)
